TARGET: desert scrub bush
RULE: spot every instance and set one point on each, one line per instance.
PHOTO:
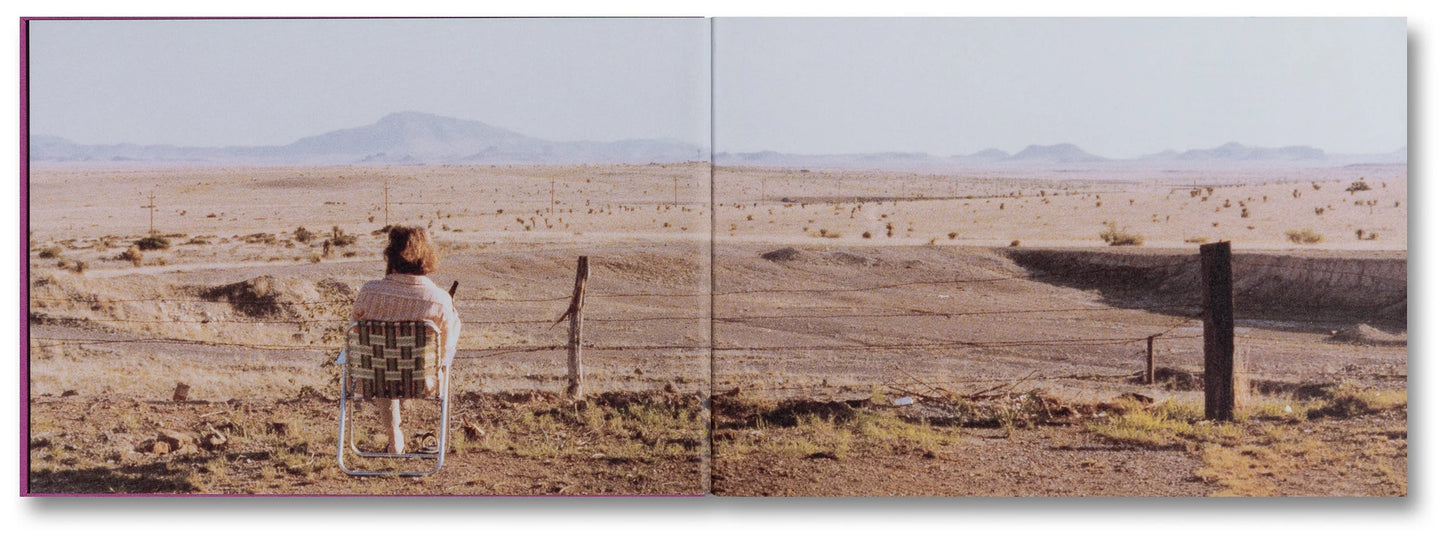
(1197, 239)
(153, 242)
(303, 235)
(262, 237)
(1358, 186)
(1303, 236)
(1116, 237)
(132, 255)
(48, 253)
(339, 237)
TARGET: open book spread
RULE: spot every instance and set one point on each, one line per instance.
(715, 256)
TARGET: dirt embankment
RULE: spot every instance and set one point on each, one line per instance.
(1327, 287)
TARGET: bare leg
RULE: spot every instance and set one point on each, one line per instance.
(391, 421)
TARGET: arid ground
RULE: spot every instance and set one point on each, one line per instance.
(927, 333)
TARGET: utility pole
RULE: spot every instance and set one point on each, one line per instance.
(674, 191)
(554, 197)
(386, 202)
(152, 207)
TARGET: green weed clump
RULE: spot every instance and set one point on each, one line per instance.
(1351, 399)
(1306, 236)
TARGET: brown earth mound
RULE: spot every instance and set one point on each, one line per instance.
(781, 255)
(1363, 334)
(268, 296)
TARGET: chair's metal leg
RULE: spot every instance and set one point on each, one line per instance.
(446, 392)
(347, 437)
(341, 432)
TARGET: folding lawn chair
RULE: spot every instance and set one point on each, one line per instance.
(391, 360)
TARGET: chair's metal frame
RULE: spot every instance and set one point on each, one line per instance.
(346, 440)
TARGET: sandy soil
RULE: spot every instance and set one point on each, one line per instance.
(969, 317)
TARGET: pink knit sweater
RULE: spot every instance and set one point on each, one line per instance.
(400, 297)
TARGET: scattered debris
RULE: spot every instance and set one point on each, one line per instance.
(213, 439)
(472, 431)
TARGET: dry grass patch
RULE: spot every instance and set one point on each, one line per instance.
(1278, 443)
(802, 429)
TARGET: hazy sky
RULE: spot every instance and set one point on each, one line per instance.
(1115, 87)
(270, 82)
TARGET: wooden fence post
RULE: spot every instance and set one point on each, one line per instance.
(1149, 362)
(1218, 331)
(574, 333)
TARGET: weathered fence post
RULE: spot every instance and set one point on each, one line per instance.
(1149, 362)
(574, 333)
(1218, 331)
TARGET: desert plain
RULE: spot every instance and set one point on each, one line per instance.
(749, 331)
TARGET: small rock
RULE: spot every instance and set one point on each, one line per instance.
(175, 439)
(181, 393)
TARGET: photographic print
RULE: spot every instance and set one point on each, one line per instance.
(212, 203)
(993, 257)
(820, 257)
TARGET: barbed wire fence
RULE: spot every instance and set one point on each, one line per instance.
(1126, 363)
(715, 348)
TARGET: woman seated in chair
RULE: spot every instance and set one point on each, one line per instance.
(406, 294)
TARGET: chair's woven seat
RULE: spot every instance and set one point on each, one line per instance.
(392, 359)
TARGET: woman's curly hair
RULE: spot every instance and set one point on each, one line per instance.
(409, 251)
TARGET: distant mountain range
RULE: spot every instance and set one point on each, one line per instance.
(1069, 156)
(401, 138)
(419, 138)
